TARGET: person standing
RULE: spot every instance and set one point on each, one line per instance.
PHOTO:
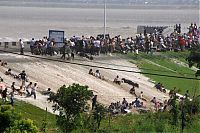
(94, 101)
(23, 78)
(52, 45)
(21, 44)
(32, 43)
(64, 51)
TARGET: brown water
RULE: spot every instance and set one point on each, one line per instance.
(27, 22)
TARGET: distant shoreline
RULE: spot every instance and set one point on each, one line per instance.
(97, 6)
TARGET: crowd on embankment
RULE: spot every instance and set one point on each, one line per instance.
(91, 46)
(143, 42)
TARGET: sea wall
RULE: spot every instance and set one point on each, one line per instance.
(14, 46)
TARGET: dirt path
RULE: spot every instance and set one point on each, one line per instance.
(55, 74)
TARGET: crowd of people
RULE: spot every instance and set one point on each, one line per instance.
(23, 89)
(91, 46)
(144, 42)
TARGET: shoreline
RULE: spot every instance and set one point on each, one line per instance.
(98, 6)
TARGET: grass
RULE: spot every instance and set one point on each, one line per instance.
(163, 64)
(37, 115)
(116, 124)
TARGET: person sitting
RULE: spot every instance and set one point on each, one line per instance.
(172, 92)
(8, 72)
(157, 106)
(97, 74)
(1, 79)
(20, 91)
(47, 92)
(142, 97)
(3, 63)
(154, 100)
(91, 72)
(136, 103)
(142, 105)
(117, 81)
(130, 82)
(158, 86)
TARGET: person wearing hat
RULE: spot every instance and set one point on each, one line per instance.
(23, 78)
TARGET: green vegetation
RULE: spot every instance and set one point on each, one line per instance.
(12, 122)
(168, 63)
(151, 122)
(71, 102)
(194, 57)
(77, 117)
(37, 115)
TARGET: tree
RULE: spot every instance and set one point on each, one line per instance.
(174, 110)
(11, 122)
(99, 113)
(194, 57)
(7, 117)
(70, 102)
(23, 126)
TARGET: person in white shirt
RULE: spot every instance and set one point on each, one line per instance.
(32, 43)
(21, 44)
(33, 90)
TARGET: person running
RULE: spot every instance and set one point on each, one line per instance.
(23, 78)
(33, 90)
(28, 87)
(47, 92)
(13, 87)
(12, 98)
(4, 95)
